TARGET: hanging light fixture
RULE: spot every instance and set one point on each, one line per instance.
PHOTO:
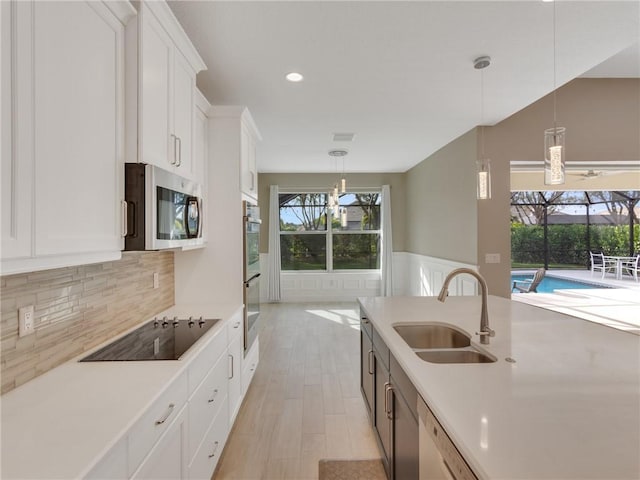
(483, 164)
(554, 151)
(334, 199)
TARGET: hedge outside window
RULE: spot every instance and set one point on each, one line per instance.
(312, 238)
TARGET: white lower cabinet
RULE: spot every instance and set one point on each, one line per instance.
(206, 402)
(236, 352)
(250, 364)
(207, 456)
(158, 418)
(167, 459)
(184, 431)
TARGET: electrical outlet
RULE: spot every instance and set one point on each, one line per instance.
(156, 280)
(492, 258)
(25, 321)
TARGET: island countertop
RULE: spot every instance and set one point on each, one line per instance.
(568, 408)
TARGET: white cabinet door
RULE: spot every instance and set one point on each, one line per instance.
(200, 149)
(168, 458)
(184, 82)
(167, 64)
(236, 353)
(156, 145)
(77, 136)
(248, 173)
(207, 456)
(65, 167)
(17, 185)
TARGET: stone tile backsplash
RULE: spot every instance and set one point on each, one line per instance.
(77, 308)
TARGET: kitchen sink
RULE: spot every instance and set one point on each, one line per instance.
(155, 340)
(455, 356)
(432, 335)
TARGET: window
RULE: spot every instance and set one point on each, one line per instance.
(315, 237)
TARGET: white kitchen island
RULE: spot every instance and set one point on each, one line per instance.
(568, 408)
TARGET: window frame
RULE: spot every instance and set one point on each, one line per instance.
(329, 231)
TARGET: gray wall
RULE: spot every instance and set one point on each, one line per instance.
(324, 180)
(441, 218)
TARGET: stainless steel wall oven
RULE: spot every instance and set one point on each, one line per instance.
(251, 281)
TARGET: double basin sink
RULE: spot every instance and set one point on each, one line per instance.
(437, 343)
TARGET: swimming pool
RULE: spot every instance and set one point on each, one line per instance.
(550, 283)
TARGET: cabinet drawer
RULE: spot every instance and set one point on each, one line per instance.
(144, 434)
(208, 357)
(365, 325)
(234, 327)
(249, 365)
(206, 403)
(206, 458)
(381, 348)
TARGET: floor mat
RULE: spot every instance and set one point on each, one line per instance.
(351, 470)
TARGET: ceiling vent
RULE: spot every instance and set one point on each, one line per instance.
(343, 137)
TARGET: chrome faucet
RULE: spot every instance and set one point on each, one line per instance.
(485, 332)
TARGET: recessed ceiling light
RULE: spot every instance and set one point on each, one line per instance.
(294, 77)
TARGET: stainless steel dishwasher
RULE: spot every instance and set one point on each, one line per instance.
(439, 458)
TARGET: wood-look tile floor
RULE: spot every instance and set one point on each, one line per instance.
(304, 403)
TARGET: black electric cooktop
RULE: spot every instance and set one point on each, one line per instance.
(155, 340)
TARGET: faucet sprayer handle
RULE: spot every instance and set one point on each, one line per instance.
(486, 332)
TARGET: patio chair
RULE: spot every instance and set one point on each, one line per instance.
(631, 267)
(528, 286)
(599, 263)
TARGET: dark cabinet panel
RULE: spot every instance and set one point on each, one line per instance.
(391, 399)
(366, 373)
(406, 465)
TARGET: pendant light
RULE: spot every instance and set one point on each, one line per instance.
(334, 199)
(483, 164)
(554, 151)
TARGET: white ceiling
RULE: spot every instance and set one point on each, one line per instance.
(397, 74)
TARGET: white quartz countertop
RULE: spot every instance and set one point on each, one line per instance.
(58, 425)
(568, 408)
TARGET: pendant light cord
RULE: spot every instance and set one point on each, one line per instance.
(482, 116)
(554, 70)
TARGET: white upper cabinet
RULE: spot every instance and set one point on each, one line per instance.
(63, 146)
(234, 139)
(161, 85)
(248, 167)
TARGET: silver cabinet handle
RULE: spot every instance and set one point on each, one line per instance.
(166, 415)
(213, 397)
(370, 370)
(179, 160)
(236, 325)
(124, 218)
(387, 402)
(364, 320)
(175, 151)
(231, 367)
(215, 449)
(386, 398)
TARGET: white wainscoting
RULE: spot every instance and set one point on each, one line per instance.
(420, 275)
(415, 275)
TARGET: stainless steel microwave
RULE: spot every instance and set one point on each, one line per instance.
(164, 210)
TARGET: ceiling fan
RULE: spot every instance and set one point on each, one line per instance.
(591, 174)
